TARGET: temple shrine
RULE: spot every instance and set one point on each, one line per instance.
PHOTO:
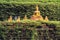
(36, 16)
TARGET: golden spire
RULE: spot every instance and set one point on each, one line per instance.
(18, 20)
(46, 18)
(37, 12)
(37, 8)
(10, 19)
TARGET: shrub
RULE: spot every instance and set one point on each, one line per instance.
(26, 29)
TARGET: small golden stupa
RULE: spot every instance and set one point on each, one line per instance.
(10, 19)
(46, 18)
(18, 20)
(36, 15)
(25, 17)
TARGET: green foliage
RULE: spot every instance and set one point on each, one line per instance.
(30, 22)
(49, 0)
(2, 1)
(26, 29)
